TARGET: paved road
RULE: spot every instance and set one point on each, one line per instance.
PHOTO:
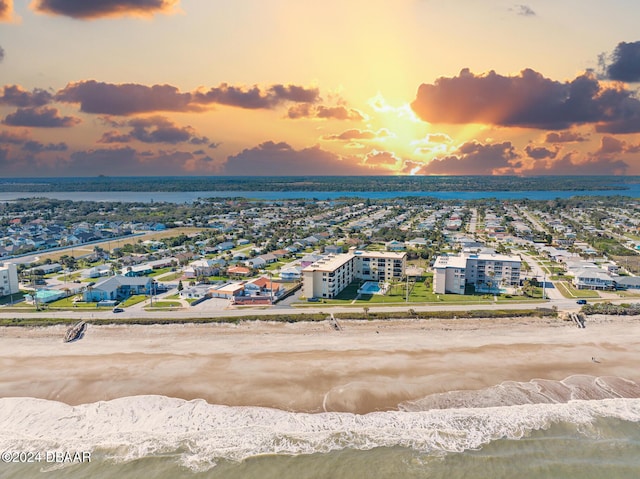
(226, 311)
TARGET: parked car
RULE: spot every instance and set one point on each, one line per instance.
(581, 301)
(118, 310)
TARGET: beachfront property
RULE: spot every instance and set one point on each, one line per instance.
(9, 279)
(117, 288)
(483, 271)
(593, 278)
(328, 276)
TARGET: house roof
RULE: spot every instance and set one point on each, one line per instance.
(263, 282)
(114, 282)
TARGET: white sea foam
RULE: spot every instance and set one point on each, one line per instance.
(536, 391)
(202, 434)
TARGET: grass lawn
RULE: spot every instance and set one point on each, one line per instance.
(67, 303)
(159, 271)
(419, 293)
(173, 296)
(171, 277)
(166, 304)
(275, 265)
(131, 300)
(16, 297)
(568, 291)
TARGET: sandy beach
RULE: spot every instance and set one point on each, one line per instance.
(311, 367)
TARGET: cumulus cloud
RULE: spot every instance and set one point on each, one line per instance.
(132, 98)
(381, 159)
(528, 100)
(281, 159)
(125, 99)
(9, 138)
(6, 12)
(574, 163)
(88, 10)
(44, 117)
(524, 10)
(15, 95)
(33, 146)
(539, 152)
(256, 97)
(564, 137)
(127, 161)
(156, 129)
(355, 134)
(339, 112)
(624, 62)
(475, 158)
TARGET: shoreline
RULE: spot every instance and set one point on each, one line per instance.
(308, 366)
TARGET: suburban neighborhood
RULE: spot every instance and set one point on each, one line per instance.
(239, 253)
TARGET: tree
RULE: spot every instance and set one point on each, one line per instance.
(180, 286)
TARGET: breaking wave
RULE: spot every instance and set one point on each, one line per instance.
(202, 434)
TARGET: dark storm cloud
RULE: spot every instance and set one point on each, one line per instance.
(91, 9)
(474, 158)
(564, 137)
(39, 118)
(280, 159)
(528, 100)
(15, 95)
(131, 98)
(625, 62)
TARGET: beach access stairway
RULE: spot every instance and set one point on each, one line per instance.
(334, 323)
(578, 319)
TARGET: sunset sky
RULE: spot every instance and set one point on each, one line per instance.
(303, 87)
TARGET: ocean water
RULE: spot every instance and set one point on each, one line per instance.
(633, 190)
(582, 427)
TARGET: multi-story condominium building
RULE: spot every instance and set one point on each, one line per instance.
(328, 276)
(8, 279)
(485, 272)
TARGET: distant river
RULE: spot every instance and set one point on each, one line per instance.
(191, 196)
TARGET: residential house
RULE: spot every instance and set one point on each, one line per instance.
(257, 262)
(291, 273)
(238, 271)
(395, 245)
(117, 288)
(590, 278)
(227, 290)
(97, 271)
(225, 246)
(628, 282)
(333, 249)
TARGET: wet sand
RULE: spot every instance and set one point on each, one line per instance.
(368, 366)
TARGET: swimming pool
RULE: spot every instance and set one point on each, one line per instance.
(371, 287)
